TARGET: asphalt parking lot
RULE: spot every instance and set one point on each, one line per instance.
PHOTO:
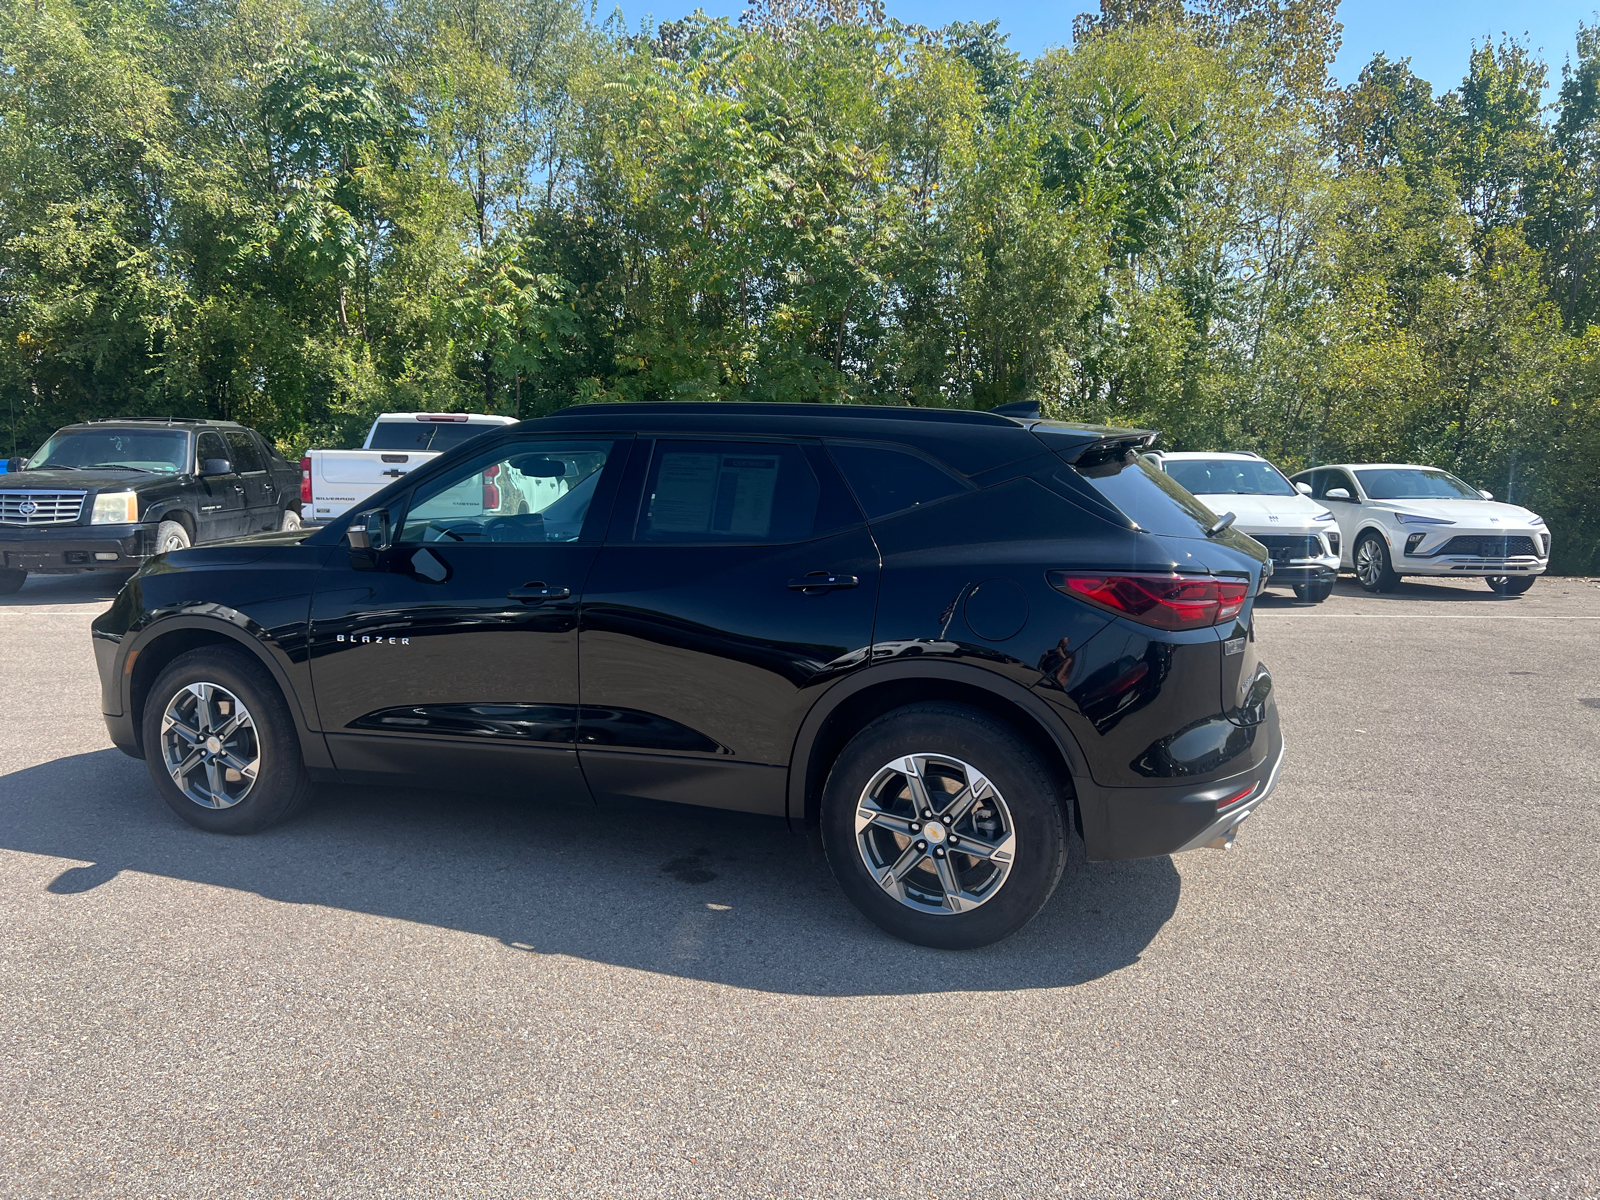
(1389, 988)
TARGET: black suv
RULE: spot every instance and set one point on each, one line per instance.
(949, 638)
(105, 495)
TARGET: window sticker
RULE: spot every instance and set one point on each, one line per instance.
(729, 494)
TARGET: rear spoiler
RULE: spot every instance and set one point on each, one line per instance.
(1092, 448)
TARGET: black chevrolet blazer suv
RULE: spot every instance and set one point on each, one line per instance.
(950, 639)
(106, 495)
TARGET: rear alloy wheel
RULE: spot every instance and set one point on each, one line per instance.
(1510, 585)
(1372, 565)
(944, 827)
(170, 536)
(1313, 593)
(220, 743)
(291, 520)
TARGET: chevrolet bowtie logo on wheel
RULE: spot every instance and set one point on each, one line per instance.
(365, 639)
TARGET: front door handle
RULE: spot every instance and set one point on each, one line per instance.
(534, 592)
(821, 581)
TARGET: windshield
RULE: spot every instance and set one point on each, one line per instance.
(424, 435)
(1229, 477)
(156, 450)
(1414, 483)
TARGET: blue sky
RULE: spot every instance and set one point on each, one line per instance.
(1435, 36)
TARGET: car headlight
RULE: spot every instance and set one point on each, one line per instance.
(1412, 519)
(1323, 516)
(116, 508)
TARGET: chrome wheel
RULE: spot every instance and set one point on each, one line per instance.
(935, 834)
(1369, 562)
(291, 520)
(209, 745)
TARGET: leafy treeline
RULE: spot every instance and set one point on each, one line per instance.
(297, 213)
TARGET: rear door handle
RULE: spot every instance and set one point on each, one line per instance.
(821, 581)
(537, 591)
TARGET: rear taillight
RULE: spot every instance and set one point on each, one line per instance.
(1164, 601)
(491, 490)
(305, 480)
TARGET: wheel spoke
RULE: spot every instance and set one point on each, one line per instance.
(1000, 852)
(915, 784)
(205, 716)
(876, 816)
(185, 732)
(188, 763)
(963, 802)
(952, 886)
(214, 779)
(231, 725)
(889, 879)
(235, 763)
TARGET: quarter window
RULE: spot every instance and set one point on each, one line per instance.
(888, 480)
(532, 492)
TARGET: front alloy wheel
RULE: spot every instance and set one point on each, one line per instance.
(935, 834)
(1372, 565)
(209, 745)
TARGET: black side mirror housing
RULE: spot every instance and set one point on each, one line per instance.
(215, 466)
(369, 531)
(13, 464)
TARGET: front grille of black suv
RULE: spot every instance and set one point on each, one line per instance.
(40, 507)
(1284, 547)
(1488, 547)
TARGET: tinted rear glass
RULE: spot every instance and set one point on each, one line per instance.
(1150, 499)
(424, 435)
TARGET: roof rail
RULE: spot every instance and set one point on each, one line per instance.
(870, 412)
(154, 420)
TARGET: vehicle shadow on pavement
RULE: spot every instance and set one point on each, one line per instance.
(718, 896)
(89, 587)
(1445, 591)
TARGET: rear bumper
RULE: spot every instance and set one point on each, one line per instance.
(68, 549)
(1141, 822)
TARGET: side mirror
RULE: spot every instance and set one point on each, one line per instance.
(1486, 495)
(1303, 488)
(1337, 494)
(215, 466)
(13, 464)
(369, 531)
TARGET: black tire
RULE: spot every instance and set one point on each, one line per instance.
(1032, 801)
(280, 784)
(1374, 571)
(11, 580)
(1510, 585)
(1313, 593)
(172, 535)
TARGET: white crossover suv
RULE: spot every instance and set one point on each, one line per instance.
(1399, 519)
(1301, 535)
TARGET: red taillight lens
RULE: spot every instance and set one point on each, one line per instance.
(491, 490)
(1230, 801)
(305, 480)
(1164, 601)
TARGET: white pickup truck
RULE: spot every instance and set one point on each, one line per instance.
(333, 481)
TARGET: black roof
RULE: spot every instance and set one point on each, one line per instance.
(968, 440)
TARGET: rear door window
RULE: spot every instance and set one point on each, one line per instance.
(1150, 499)
(887, 479)
(246, 458)
(735, 493)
